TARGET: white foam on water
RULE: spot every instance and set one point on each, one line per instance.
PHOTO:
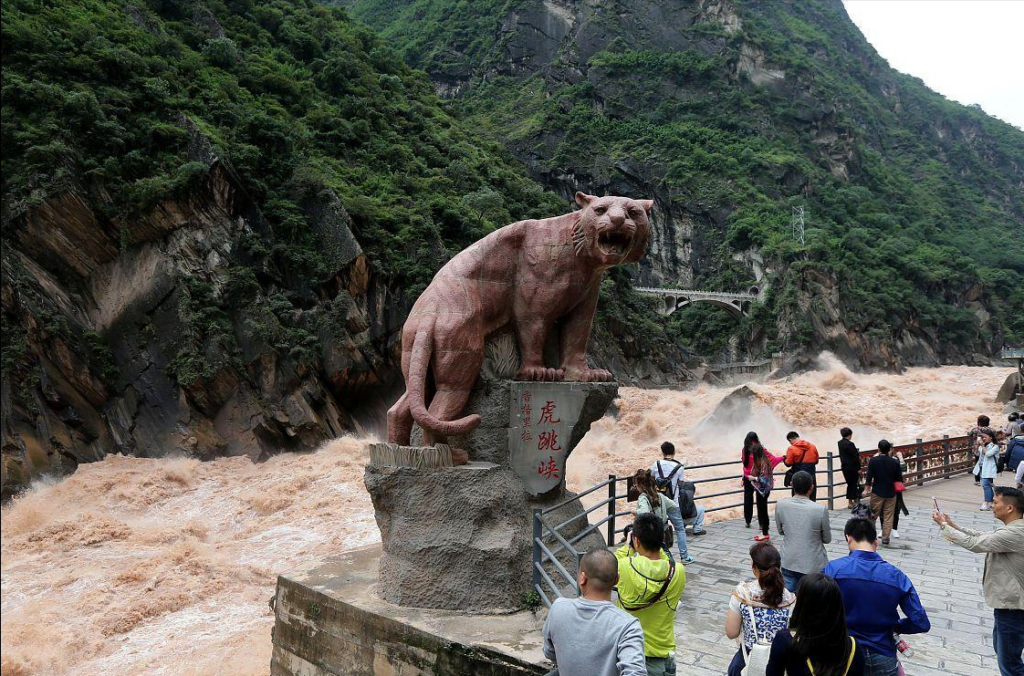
(164, 567)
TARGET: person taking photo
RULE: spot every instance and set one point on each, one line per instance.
(650, 586)
(1003, 579)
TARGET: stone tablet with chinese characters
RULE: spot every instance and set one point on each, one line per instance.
(542, 417)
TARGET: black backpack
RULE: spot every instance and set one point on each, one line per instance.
(687, 505)
(667, 484)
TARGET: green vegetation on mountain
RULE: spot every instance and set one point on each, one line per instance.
(915, 210)
(215, 216)
(294, 95)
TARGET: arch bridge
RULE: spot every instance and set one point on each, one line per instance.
(671, 300)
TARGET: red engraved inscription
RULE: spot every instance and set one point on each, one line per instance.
(548, 469)
(547, 413)
(548, 441)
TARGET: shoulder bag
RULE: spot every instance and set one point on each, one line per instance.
(849, 660)
(756, 658)
(656, 597)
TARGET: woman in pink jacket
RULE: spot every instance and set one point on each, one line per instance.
(758, 481)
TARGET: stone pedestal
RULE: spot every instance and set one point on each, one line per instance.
(461, 537)
(455, 537)
(330, 622)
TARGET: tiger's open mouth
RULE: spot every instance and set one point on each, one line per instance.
(614, 243)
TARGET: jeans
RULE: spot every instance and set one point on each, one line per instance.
(792, 579)
(661, 666)
(679, 525)
(1008, 640)
(877, 664)
(737, 664)
(986, 486)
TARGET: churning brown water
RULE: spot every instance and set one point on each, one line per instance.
(165, 567)
(921, 403)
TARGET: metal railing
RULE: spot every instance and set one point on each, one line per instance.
(695, 293)
(926, 461)
(542, 529)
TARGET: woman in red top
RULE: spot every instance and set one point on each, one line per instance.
(758, 481)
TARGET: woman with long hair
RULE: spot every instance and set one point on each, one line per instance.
(901, 506)
(817, 642)
(759, 474)
(651, 500)
(987, 465)
(758, 608)
(748, 489)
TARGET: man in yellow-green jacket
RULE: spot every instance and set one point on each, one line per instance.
(649, 588)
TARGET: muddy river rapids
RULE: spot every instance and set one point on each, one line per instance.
(165, 567)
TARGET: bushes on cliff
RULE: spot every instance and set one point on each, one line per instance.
(912, 201)
(293, 94)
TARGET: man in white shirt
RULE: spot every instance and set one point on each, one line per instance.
(668, 475)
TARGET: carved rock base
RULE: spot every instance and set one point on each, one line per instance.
(456, 538)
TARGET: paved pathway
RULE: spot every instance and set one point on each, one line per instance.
(947, 578)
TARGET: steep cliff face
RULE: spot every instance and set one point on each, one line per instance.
(171, 344)
(215, 220)
(730, 113)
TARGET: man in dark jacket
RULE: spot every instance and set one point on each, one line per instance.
(883, 473)
(849, 459)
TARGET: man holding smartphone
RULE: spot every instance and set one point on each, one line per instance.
(1003, 579)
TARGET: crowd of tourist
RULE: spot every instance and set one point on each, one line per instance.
(800, 614)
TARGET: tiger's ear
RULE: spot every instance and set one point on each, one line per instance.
(646, 204)
(583, 199)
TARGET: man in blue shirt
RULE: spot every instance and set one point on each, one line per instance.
(872, 591)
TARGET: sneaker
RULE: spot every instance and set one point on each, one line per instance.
(700, 532)
(895, 533)
(985, 507)
(885, 541)
(762, 538)
(687, 560)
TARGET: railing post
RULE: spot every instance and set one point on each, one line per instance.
(536, 547)
(831, 481)
(579, 563)
(920, 468)
(611, 510)
(945, 455)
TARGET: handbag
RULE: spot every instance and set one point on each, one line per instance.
(899, 486)
(756, 659)
(787, 480)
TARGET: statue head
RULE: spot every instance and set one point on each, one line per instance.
(611, 230)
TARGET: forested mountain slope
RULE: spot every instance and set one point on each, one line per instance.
(216, 216)
(730, 113)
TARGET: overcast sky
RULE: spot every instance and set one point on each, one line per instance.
(971, 51)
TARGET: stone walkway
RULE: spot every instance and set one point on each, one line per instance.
(947, 578)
